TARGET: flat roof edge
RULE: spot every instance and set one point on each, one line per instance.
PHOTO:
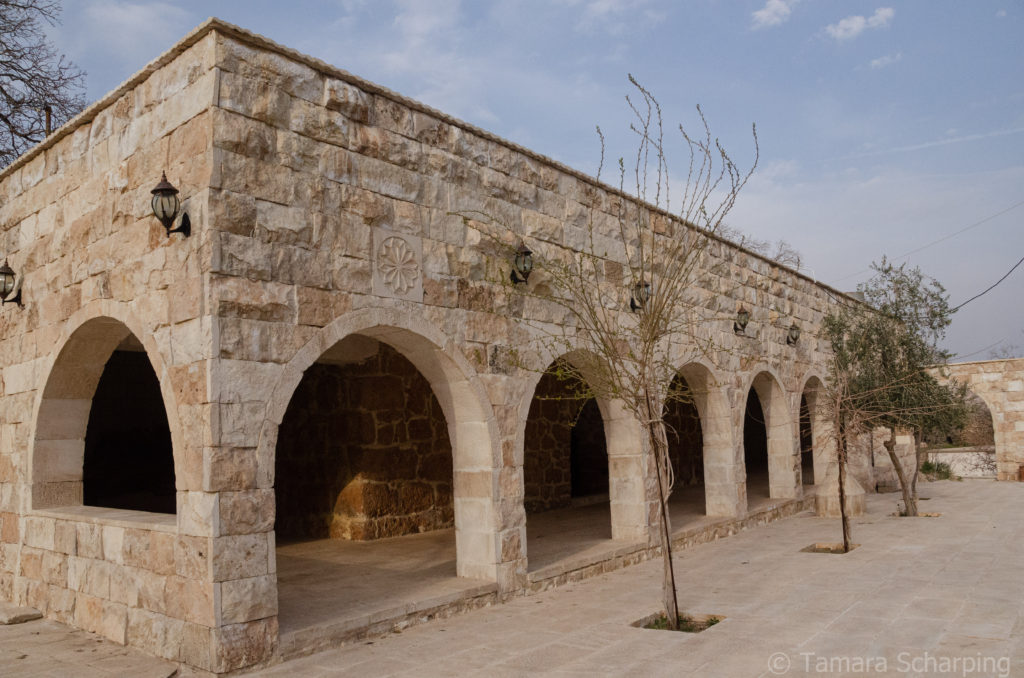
(214, 24)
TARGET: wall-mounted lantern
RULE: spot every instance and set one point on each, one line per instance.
(739, 326)
(165, 204)
(522, 264)
(641, 295)
(793, 335)
(10, 288)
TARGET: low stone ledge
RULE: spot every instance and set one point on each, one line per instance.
(97, 515)
(15, 614)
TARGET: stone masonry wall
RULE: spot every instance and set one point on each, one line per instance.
(363, 453)
(318, 202)
(96, 267)
(1000, 383)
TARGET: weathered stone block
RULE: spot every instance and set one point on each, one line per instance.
(240, 556)
(245, 600)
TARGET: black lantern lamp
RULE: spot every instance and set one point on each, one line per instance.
(9, 285)
(739, 326)
(641, 295)
(793, 335)
(522, 264)
(165, 204)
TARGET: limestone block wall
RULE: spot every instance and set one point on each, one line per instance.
(363, 453)
(1000, 383)
(324, 216)
(96, 270)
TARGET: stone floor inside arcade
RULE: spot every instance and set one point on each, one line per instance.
(333, 591)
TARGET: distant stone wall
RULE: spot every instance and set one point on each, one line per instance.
(564, 448)
(1000, 383)
(685, 443)
(363, 453)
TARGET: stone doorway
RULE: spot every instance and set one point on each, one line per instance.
(364, 488)
(565, 470)
(755, 451)
(806, 443)
(686, 454)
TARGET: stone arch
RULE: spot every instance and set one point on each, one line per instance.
(63, 404)
(624, 443)
(821, 441)
(721, 474)
(472, 429)
(783, 461)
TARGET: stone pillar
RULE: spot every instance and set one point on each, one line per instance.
(628, 469)
(826, 500)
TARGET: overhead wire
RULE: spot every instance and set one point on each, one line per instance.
(942, 239)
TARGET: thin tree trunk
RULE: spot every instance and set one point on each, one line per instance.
(909, 501)
(844, 520)
(917, 464)
(659, 447)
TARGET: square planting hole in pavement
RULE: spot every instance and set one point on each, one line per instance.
(688, 623)
(826, 547)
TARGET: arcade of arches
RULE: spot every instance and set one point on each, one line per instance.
(204, 439)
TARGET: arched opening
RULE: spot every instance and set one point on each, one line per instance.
(365, 471)
(806, 443)
(128, 459)
(363, 450)
(968, 447)
(102, 434)
(755, 451)
(565, 469)
(817, 449)
(686, 453)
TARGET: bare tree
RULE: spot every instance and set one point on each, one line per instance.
(779, 251)
(635, 291)
(39, 88)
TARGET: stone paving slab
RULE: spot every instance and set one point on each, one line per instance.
(920, 597)
(46, 648)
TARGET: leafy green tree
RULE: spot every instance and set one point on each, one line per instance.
(38, 86)
(882, 350)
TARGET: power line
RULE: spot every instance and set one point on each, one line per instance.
(942, 239)
(990, 288)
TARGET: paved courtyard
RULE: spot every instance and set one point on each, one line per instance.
(940, 596)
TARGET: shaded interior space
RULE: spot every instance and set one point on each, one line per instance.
(806, 443)
(363, 476)
(363, 450)
(565, 470)
(686, 454)
(128, 460)
(336, 585)
(755, 452)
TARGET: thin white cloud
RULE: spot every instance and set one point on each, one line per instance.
(852, 26)
(941, 142)
(773, 13)
(126, 28)
(613, 17)
(887, 60)
(1001, 13)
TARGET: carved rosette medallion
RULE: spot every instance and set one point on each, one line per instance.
(398, 271)
(398, 266)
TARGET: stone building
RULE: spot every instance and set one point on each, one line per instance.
(321, 360)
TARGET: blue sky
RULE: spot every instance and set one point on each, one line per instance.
(883, 126)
